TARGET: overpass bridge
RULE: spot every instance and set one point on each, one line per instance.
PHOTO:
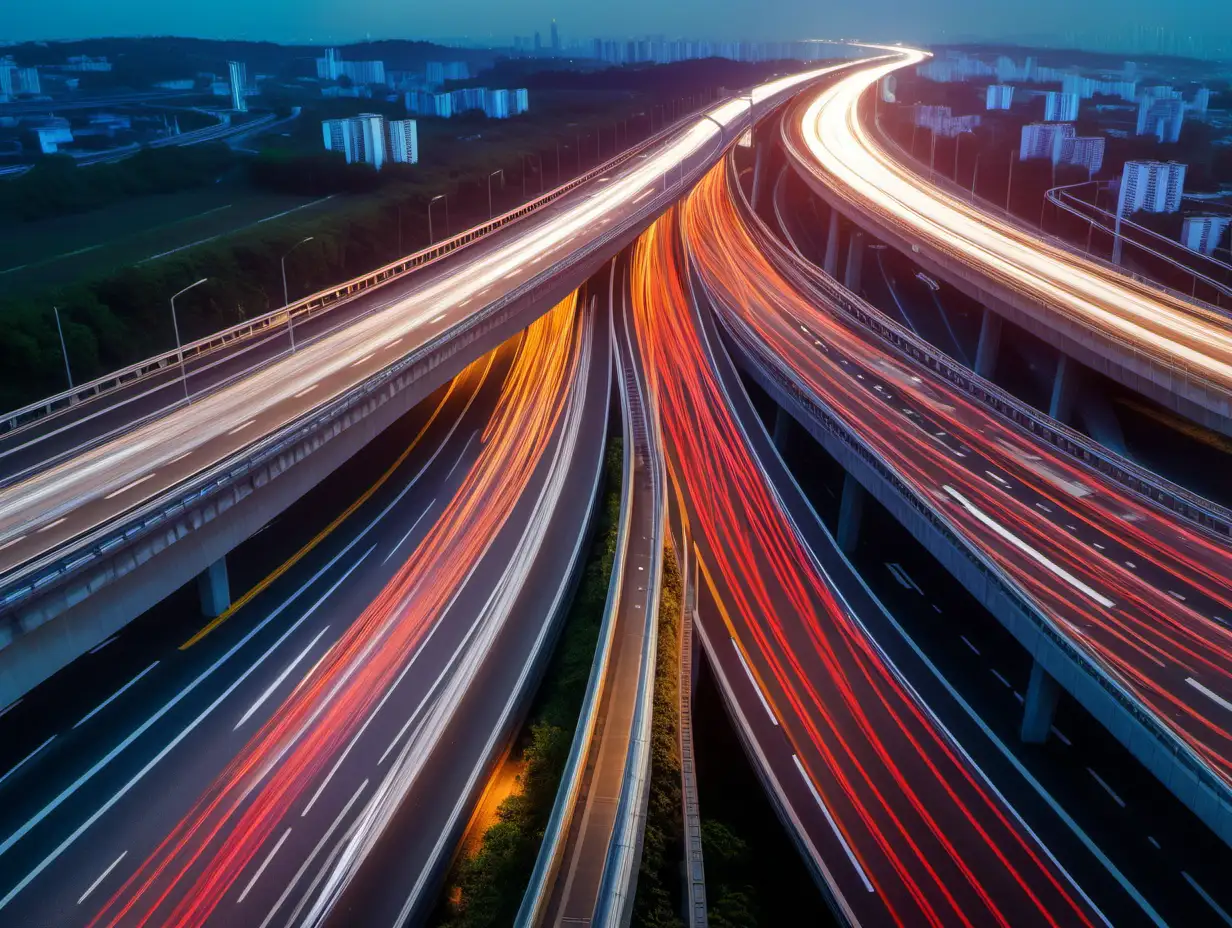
(122, 491)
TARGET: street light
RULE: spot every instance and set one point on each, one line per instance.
(63, 347)
(491, 212)
(958, 147)
(176, 325)
(439, 196)
(286, 299)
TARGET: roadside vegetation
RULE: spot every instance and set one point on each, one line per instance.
(484, 890)
(657, 902)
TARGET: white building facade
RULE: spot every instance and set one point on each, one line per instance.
(1153, 186)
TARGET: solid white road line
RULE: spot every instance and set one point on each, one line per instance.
(73, 787)
(128, 486)
(311, 857)
(753, 682)
(261, 869)
(1209, 693)
(106, 702)
(1108, 789)
(1022, 546)
(838, 834)
(427, 509)
(465, 448)
(102, 876)
(278, 680)
(21, 762)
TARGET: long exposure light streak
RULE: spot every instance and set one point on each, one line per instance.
(184, 879)
(936, 843)
(840, 149)
(1098, 560)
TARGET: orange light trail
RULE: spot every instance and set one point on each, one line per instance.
(938, 845)
(184, 879)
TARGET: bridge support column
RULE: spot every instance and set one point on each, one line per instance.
(214, 588)
(1064, 386)
(830, 265)
(1040, 705)
(850, 510)
(782, 428)
(855, 262)
(990, 342)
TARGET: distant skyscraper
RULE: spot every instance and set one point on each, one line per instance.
(1203, 233)
(1085, 151)
(999, 97)
(238, 73)
(1153, 186)
(555, 39)
(1202, 101)
(538, 42)
(1060, 107)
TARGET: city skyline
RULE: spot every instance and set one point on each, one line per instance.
(1099, 25)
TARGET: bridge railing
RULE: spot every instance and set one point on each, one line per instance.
(1141, 481)
(1160, 368)
(779, 372)
(316, 303)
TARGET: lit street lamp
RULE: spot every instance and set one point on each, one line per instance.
(286, 299)
(176, 325)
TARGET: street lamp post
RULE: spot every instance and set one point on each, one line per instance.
(558, 162)
(286, 297)
(975, 175)
(63, 347)
(1009, 184)
(439, 196)
(491, 212)
(957, 147)
(175, 324)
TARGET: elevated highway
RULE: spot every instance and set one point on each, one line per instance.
(112, 512)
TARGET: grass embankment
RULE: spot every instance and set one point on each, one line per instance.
(486, 887)
(658, 883)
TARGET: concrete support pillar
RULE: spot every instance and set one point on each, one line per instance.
(1040, 705)
(1064, 387)
(855, 262)
(850, 510)
(214, 588)
(830, 265)
(782, 428)
(990, 342)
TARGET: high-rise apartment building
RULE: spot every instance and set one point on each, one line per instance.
(999, 97)
(1060, 106)
(1204, 233)
(422, 103)
(1044, 140)
(238, 74)
(332, 67)
(1153, 186)
(361, 138)
(403, 141)
(1085, 151)
(1161, 117)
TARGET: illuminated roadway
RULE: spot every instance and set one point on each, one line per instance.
(827, 139)
(1146, 594)
(62, 508)
(896, 819)
(245, 776)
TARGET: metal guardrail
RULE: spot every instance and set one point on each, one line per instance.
(312, 305)
(1144, 483)
(1169, 367)
(551, 851)
(776, 370)
(695, 915)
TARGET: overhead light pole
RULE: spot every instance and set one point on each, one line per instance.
(491, 212)
(175, 324)
(63, 347)
(286, 299)
(439, 196)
